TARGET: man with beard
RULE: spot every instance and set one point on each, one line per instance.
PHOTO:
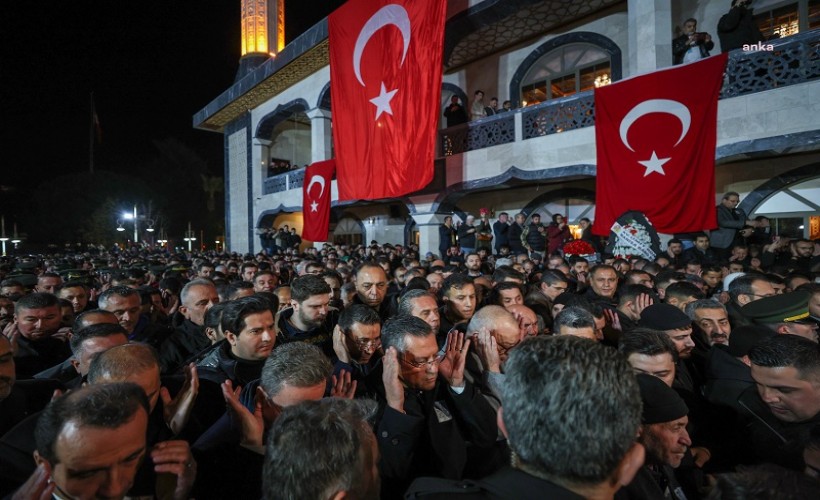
(678, 326)
(126, 304)
(310, 318)
(357, 343)
(711, 319)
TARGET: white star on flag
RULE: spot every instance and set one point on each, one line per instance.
(382, 101)
(314, 207)
(654, 164)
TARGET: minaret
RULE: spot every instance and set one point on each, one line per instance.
(263, 33)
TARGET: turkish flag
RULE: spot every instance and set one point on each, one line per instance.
(316, 200)
(655, 136)
(385, 86)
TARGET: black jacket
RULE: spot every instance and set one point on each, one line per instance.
(680, 46)
(220, 365)
(434, 434)
(738, 28)
(187, 340)
(320, 336)
(501, 231)
(35, 356)
(774, 440)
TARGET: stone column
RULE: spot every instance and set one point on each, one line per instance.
(428, 224)
(650, 35)
(321, 138)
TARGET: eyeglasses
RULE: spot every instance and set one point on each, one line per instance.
(419, 364)
(366, 343)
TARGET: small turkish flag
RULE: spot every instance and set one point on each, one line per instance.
(385, 85)
(316, 200)
(655, 136)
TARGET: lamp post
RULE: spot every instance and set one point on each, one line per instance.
(133, 216)
(3, 237)
(190, 236)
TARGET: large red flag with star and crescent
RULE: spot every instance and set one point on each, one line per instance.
(385, 86)
(655, 136)
(316, 200)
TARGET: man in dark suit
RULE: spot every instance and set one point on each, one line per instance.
(590, 383)
(430, 417)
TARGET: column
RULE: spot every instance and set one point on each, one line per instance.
(650, 35)
(428, 224)
(321, 138)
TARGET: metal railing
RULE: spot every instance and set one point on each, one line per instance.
(793, 60)
(284, 182)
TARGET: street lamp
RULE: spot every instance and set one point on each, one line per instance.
(190, 236)
(132, 216)
(3, 237)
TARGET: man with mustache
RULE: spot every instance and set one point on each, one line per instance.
(663, 434)
(712, 320)
(33, 334)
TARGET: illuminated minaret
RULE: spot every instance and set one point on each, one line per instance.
(263, 33)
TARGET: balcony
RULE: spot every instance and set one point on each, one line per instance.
(794, 60)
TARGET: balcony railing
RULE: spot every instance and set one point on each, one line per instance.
(284, 182)
(794, 59)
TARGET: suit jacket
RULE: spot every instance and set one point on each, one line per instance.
(729, 222)
(433, 436)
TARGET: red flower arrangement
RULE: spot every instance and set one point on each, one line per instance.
(483, 211)
(578, 247)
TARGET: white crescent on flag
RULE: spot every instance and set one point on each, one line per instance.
(387, 15)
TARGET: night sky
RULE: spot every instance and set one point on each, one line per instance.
(150, 63)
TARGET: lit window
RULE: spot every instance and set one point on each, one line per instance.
(565, 71)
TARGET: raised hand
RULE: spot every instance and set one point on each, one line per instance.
(643, 301)
(455, 356)
(253, 426)
(38, 487)
(342, 386)
(340, 346)
(177, 411)
(487, 349)
(174, 457)
(613, 319)
(393, 388)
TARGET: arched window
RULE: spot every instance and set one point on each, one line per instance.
(567, 70)
(565, 65)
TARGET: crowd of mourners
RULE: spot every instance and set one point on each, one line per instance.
(374, 372)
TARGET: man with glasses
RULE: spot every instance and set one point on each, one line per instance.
(744, 290)
(357, 343)
(428, 411)
(553, 283)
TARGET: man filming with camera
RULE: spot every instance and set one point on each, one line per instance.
(691, 46)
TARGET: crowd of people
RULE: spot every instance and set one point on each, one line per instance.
(513, 371)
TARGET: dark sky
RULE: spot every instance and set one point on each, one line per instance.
(150, 63)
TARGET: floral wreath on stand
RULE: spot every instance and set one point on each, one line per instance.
(581, 248)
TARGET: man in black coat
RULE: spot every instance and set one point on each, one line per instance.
(189, 337)
(578, 458)
(430, 416)
(501, 229)
(738, 28)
